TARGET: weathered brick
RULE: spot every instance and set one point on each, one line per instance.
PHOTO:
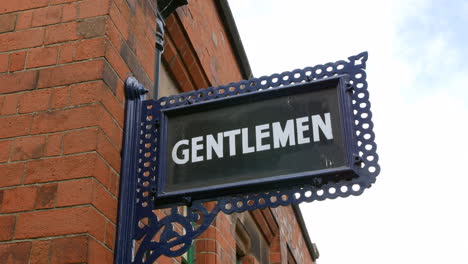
(109, 152)
(17, 5)
(61, 33)
(275, 258)
(5, 150)
(178, 37)
(113, 35)
(39, 57)
(110, 128)
(53, 145)
(13, 126)
(102, 172)
(275, 246)
(28, 148)
(272, 224)
(56, 2)
(93, 8)
(1, 199)
(15, 253)
(207, 258)
(11, 174)
(97, 92)
(92, 27)
(21, 39)
(75, 192)
(166, 260)
(18, 81)
(67, 52)
(133, 63)
(110, 77)
(70, 12)
(10, 104)
(60, 221)
(116, 136)
(46, 16)
(4, 62)
(198, 76)
(87, 191)
(261, 221)
(115, 108)
(181, 75)
(143, 50)
(60, 168)
(24, 20)
(7, 23)
(120, 91)
(205, 245)
(18, 199)
(80, 141)
(170, 51)
(69, 250)
(114, 181)
(110, 235)
(98, 253)
(104, 202)
(17, 60)
(45, 197)
(67, 119)
(59, 98)
(119, 21)
(7, 225)
(35, 101)
(249, 260)
(40, 252)
(90, 48)
(127, 8)
(117, 63)
(72, 73)
(85, 93)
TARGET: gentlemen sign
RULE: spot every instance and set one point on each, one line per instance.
(257, 141)
(265, 142)
(293, 128)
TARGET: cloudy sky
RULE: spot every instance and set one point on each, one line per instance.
(417, 212)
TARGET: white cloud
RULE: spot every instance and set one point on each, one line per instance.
(415, 213)
(416, 206)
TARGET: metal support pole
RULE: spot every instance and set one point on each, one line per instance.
(159, 50)
(135, 95)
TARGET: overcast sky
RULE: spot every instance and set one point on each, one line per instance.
(417, 212)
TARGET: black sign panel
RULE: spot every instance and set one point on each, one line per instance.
(257, 141)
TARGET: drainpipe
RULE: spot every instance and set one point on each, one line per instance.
(165, 8)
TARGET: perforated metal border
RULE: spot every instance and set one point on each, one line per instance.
(172, 234)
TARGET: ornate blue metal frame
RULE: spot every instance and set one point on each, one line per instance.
(339, 84)
(144, 235)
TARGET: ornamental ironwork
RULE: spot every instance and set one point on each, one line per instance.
(146, 233)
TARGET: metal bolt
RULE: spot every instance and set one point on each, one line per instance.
(188, 200)
(349, 87)
(357, 159)
(317, 181)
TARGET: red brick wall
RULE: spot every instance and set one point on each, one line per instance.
(290, 236)
(210, 40)
(217, 244)
(62, 69)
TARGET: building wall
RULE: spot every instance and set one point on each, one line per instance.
(291, 238)
(63, 64)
